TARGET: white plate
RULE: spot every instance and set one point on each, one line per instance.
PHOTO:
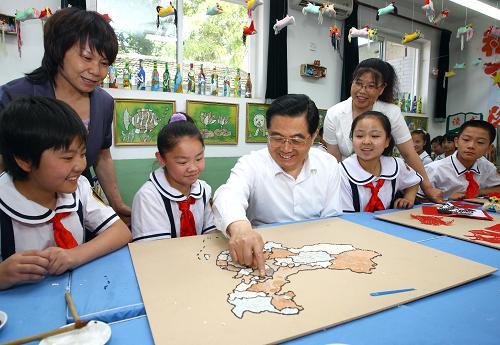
(94, 333)
(3, 319)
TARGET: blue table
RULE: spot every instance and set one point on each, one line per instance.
(107, 289)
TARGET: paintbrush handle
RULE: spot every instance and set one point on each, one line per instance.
(40, 336)
(71, 306)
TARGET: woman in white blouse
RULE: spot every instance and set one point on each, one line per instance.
(373, 88)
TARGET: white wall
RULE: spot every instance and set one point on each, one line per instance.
(32, 36)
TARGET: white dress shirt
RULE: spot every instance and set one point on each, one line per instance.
(426, 159)
(338, 121)
(31, 221)
(260, 191)
(448, 174)
(392, 169)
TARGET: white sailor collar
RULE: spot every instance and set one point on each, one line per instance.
(459, 167)
(307, 168)
(424, 154)
(160, 182)
(18, 207)
(357, 175)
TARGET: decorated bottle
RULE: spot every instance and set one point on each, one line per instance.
(126, 77)
(202, 81)
(140, 77)
(178, 80)
(419, 105)
(112, 77)
(191, 81)
(414, 104)
(214, 83)
(237, 84)
(166, 79)
(408, 104)
(227, 83)
(248, 87)
(155, 78)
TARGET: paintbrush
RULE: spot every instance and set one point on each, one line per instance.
(77, 325)
(71, 306)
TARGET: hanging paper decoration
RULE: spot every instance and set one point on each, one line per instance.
(441, 16)
(248, 30)
(312, 9)
(391, 8)
(407, 38)
(27, 14)
(477, 61)
(373, 34)
(450, 74)
(106, 17)
(214, 10)
(165, 12)
(353, 32)
(492, 31)
(459, 65)
(335, 36)
(45, 14)
(252, 5)
(466, 32)
(3, 28)
(429, 9)
(326, 10)
(280, 24)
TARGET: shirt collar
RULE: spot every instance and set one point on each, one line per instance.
(18, 207)
(308, 167)
(459, 167)
(160, 182)
(357, 175)
(423, 155)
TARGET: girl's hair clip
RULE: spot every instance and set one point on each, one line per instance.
(177, 117)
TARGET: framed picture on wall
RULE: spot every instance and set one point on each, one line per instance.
(218, 122)
(256, 128)
(417, 122)
(138, 121)
(454, 121)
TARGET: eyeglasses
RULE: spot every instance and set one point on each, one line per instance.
(368, 87)
(278, 140)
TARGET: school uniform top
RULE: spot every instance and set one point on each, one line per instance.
(426, 159)
(338, 121)
(25, 225)
(448, 174)
(156, 214)
(101, 111)
(395, 171)
(439, 157)
(258, 190)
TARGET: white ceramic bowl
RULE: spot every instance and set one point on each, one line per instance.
(94, 333)
(3, 319)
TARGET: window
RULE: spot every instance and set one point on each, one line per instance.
(404, 59)
(214, 41)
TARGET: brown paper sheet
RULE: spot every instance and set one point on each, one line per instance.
(186, 283)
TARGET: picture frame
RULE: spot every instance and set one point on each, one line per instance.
(417, 122)
(137, 122)
(217, 122)
(454, 121)
(256, 127)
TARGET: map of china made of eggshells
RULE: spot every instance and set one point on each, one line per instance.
(257, 295)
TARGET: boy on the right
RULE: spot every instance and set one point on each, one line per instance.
(467, 173)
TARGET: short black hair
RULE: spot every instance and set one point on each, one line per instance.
(427, 139)
(68, 27)
(171, 133)
(383, 73)
(295, 105)
(439, 139)
(31, 125)
(386, 124)
(450, 136)
(480, 124)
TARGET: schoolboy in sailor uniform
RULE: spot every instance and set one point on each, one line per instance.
(156, 213)
(467, 173)
(26, 225)
(397, 175)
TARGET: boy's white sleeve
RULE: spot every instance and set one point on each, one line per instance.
(231, 199)
(493, 179)
(208, 217)
(97, 216)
